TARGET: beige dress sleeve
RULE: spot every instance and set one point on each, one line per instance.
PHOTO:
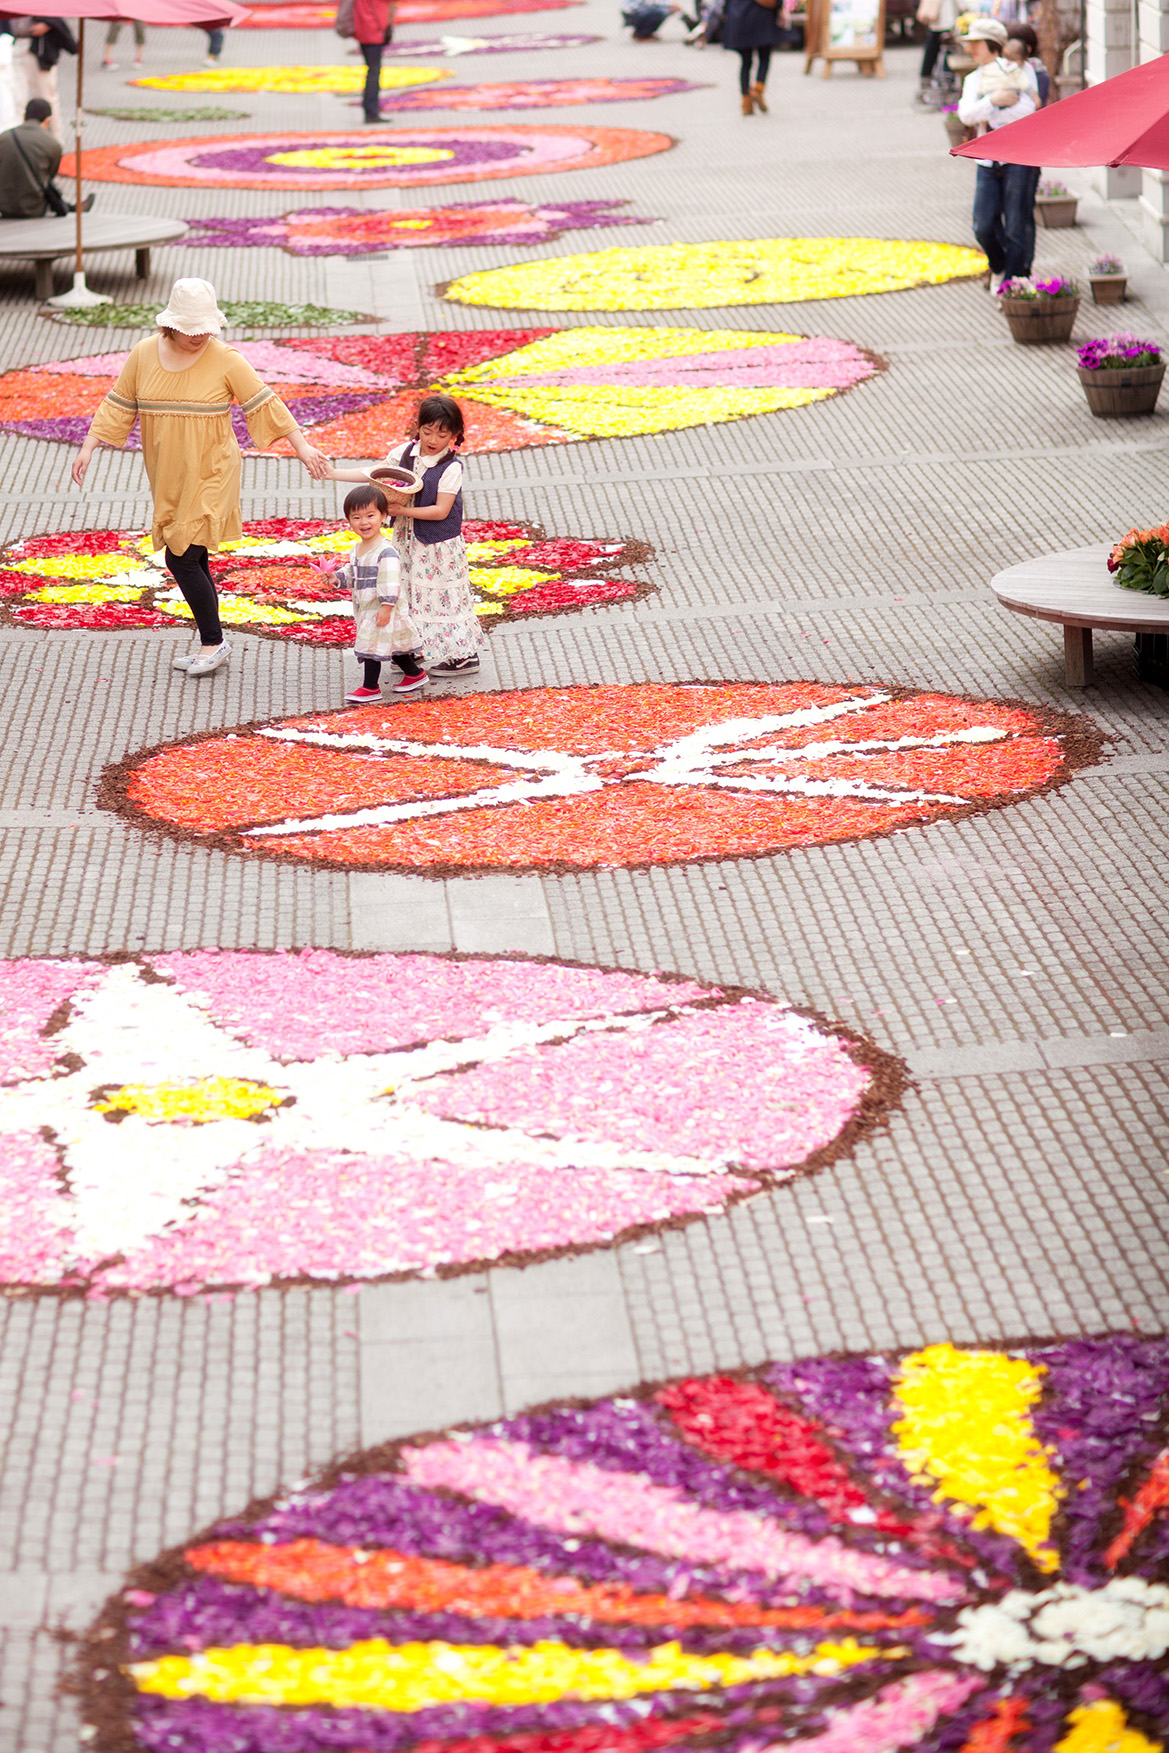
(114, 420)
(267, 417)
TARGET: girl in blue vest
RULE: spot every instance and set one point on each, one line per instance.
(428, 537)
(428, 534)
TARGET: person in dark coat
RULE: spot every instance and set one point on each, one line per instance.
(751, 29)
(30, 155)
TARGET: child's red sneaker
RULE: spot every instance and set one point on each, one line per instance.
(363, 696)
(411, 684)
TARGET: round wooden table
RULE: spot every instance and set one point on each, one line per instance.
(1077, 589)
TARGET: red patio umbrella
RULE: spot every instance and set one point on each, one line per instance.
(204, 14)
(1124, 120)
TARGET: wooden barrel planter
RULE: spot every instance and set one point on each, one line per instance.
(1117, 394)
(1038, 321)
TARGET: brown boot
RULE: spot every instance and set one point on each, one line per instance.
(748, 104)
(757, 95)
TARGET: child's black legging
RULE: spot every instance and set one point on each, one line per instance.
(192, 574)
(405, 660)
(762, 61)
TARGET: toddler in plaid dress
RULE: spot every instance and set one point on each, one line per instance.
(381, 628)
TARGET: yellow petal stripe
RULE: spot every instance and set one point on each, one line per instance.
(210, 1098)
(505, 581)
(616, 411)
(414, 1676)
(965, 1427)
(571, 348)
(1102, 1727)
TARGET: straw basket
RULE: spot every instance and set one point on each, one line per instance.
(398, 483)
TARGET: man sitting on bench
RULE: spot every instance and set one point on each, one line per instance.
(30, 156)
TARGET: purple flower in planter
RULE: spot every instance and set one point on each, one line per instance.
(1118, 353)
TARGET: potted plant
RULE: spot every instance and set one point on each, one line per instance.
(1039, 311)
(1121, 375)
(1108, 277)
(1139, 561)
(1055, 206)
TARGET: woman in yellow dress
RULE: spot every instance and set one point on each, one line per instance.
(180, 384)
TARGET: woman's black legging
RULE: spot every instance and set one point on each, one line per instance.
(192, 574)
(762, 61)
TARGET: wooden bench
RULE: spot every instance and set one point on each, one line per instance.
(1077, 589)
(45, 241)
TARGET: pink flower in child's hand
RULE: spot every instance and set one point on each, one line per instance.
(327, 563)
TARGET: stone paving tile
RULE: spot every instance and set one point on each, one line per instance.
(853, 539)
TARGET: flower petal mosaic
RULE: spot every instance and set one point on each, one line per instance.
(310, 15)
(290, 79)
(406, 159)
(517, 42)
(768, 270)
(358, 395)
(235, 1118)
(581, 777)
(518, 94)
(359, 231)
(835, 1554)
(268, 584)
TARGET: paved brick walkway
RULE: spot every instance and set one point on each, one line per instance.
(1021, 1187)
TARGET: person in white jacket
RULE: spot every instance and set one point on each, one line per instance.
(1004, 194)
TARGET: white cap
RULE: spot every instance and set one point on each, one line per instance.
(193, 309)
(989, 30)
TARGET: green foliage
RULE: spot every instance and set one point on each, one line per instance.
(240, 315)
(201, 115)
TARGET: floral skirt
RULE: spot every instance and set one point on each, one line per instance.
(437, 593)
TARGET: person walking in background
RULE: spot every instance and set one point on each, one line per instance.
(112, 36)
(373, 27)
(939, 18)
(180, 385)
(34, 67)
(214, 46)
(750, 28)
(1004, 194)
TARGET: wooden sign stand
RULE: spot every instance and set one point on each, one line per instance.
(846, 30)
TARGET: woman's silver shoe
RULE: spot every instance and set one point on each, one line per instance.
(206, 666)
(183, 663)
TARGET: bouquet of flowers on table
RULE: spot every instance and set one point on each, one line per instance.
(1140, 561)
(1118, 353)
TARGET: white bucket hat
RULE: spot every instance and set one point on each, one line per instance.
(192, 309)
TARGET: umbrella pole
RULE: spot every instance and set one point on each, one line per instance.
(80, 297)
(79, 265)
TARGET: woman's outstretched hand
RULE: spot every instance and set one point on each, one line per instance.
(80, 463)
(316, 462)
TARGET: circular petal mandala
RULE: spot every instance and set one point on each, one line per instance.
(406, 159)
(576, 778)
(290, 79)
(268, 584)
(235, 1118)
(767, 270)
(954, 1551)
(517, 387)
(356, 231)
(308, 15)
